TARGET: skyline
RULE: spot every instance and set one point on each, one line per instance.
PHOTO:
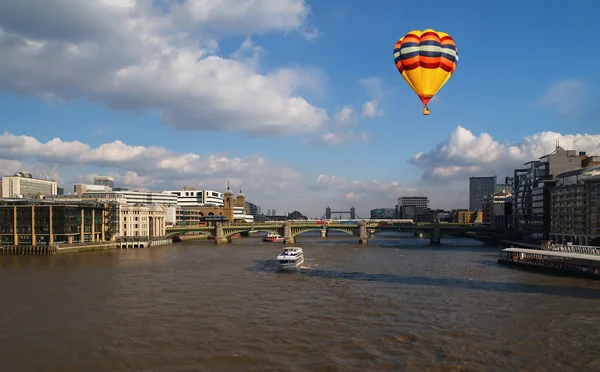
(299, 102)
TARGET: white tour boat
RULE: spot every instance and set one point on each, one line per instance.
(290, 258)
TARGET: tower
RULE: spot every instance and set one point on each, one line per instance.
(228, 203)
(240, 201)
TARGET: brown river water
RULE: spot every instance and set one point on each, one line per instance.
(393, 305)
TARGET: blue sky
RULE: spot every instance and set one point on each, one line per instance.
(248, 93)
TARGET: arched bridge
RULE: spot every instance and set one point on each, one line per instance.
(363, 230)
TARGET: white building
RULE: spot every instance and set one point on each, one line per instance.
(190, 197)
(137, 220)
(142, 198)
(240, 215)
(80, 188)
(23, 184)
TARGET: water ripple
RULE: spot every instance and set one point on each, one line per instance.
(394, 305)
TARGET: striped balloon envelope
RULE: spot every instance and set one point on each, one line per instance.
(426, 59)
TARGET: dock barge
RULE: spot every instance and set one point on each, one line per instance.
(578, 261)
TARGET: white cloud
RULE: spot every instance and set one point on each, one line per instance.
(464, 154)
(165, 166)
(363, 195)
(568, 97)
(345, 116)
(266, 183)
(337, 139)
(370, 109)
(137, 55)
(374, 88)
(243, 16)
(9, 167)
(337, 132)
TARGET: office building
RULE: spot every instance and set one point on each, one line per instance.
(42, 222)
(191, 197)
(383, 213)
(23, 185)
(575, 207)
(104, 181)
(479, 189)
(412, 207)
(532, 184)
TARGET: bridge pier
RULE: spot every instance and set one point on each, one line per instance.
(287, 233)
(363, 234)
(219, 236)
(323, 232)
(436, 234)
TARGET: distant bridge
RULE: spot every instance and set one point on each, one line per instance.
(363, 230)
(351, 212)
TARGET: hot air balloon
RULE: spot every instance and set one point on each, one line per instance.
(426, 59)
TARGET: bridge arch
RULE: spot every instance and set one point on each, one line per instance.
(349, 230)
(299, 231)
(229, 233)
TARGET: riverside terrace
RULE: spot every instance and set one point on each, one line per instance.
(363, 230)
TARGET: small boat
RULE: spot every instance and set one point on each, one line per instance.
(273, 238)
(290, 258)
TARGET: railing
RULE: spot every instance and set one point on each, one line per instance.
(581, 249)
(278, 223)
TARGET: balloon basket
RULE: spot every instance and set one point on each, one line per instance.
(425, 111)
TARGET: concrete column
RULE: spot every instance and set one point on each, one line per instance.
(51, 235)
(81, 227)
(287, 233)
(436, 235)
(219, 235)
(15, 235)
(33, 225)
(363, 235)
(93, 225)
(103, 232)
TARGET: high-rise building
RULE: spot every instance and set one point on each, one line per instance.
(383, 213)
(532, 184)
(575, 207)
(479, 189)
(104, 181)
(24, 185)
(414, 207)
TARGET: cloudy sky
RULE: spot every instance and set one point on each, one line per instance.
(298, 101)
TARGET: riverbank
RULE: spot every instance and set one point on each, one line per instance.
(78, 247)
(56, 249)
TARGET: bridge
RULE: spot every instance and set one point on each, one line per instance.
(363, 230)
(351, 212)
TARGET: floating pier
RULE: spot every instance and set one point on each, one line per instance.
(570, 262)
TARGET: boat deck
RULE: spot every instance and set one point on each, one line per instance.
(540, 252)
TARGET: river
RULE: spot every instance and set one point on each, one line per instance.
(392, 305)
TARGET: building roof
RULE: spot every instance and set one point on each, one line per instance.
(579, 256)
(33, 201)
(578, 171)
